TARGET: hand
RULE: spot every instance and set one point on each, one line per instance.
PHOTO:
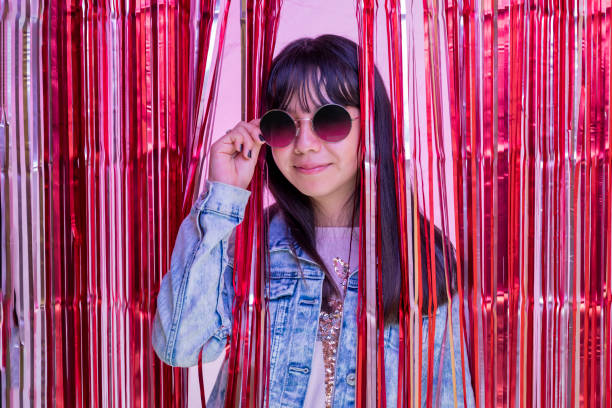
(234, 156)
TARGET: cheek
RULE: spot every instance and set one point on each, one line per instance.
(347, 159)
(281, 157)
(350, 151)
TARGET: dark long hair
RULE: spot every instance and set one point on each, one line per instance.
(331, 62)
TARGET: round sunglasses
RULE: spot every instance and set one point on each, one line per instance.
(331, 122)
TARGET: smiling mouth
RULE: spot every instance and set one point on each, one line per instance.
(311, 170)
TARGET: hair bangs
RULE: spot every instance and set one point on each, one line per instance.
(315, 75)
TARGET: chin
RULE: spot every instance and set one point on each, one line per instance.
(313, 189)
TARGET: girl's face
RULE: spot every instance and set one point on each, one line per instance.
(324, 171)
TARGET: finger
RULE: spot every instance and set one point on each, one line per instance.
(255, 131)
(248, 142)
(255, 147)
(230, 143)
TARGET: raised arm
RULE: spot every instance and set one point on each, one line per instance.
(195, 298)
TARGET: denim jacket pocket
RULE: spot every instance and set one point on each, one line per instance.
(280, 295)
(280, 288)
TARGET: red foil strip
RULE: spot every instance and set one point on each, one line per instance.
(201, 127)
(596, 136)
(248, 355)
(540, 270)
(370, 387)
(396, 88)
(434, 135)
(608, 287)
(395, 37)
(201, 381)
(458, 152)
(515, 83)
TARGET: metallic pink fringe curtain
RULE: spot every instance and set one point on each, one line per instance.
(103, 106)
(502, 132)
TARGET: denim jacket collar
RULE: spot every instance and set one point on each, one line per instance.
(280, 240)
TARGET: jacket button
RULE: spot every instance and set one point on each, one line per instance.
(350, 379)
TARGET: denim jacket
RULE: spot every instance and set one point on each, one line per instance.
(195, 302)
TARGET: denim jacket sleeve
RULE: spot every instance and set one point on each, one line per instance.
(195, 298)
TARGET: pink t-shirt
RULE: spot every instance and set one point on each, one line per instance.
(332, 242)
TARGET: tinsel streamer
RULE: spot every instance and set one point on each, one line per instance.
(210, 20)
(435, 162)
(92, 103)
(203, 88)
(370, 366)
(6, 284)
(397, 40)
(530, 146)
(411, 278)
(438, 131)
(418, 125)
(457, 77)
(594, 139)
(201, 381)
(248, 373)
(607, 334)
(105, 120)
(513, 39)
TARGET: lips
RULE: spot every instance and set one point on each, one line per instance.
(311, 168)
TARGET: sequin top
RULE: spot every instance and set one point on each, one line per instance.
(337, 248)
(329, 330)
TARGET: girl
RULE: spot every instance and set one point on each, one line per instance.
(311, 135)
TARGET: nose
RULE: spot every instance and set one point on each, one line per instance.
(306, 139)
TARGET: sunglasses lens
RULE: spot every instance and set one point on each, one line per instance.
(332, 123)
(277, 128)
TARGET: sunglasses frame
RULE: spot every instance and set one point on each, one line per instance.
(296, 122)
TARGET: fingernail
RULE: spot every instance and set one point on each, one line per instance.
(241, 146)
(261, 137)
(249, 154)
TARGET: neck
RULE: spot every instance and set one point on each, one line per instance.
(333, 211)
